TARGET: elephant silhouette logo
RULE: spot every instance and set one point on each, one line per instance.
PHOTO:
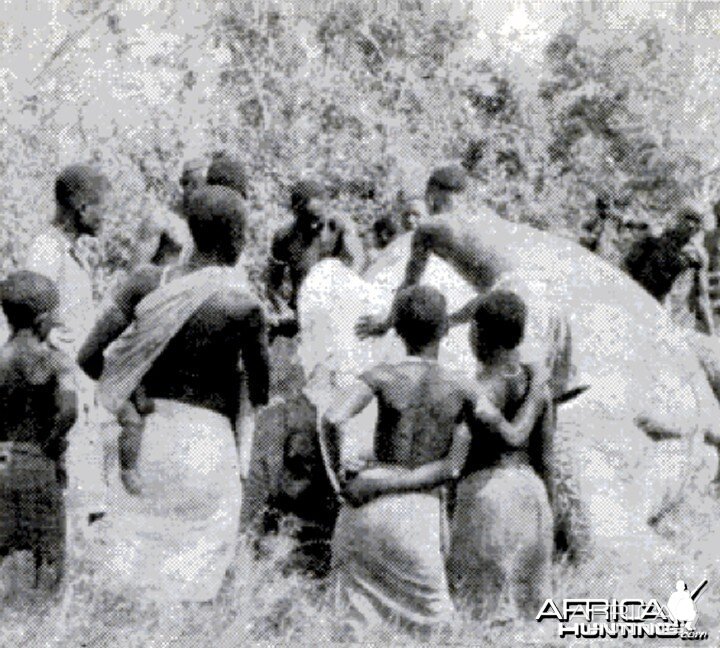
(681, 604)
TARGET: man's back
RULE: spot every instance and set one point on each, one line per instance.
(420, 405)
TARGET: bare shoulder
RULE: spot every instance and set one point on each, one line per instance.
(461, 383)
(282, 236)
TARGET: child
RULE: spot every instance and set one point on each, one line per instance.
(38, 406)
(388, 551)
(502, 535)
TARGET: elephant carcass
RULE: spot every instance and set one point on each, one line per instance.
(610, 476)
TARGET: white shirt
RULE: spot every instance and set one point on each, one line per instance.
(52, 255)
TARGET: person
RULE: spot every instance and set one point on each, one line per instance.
(612, 229)
(314, 234)
(162, 238)
(388, 543)
(227, 171)
(288, 493)
(190, 343)
(81, 195)
(502, 528)
(385, 229)
(192, 178)
(656, 262)
(38, 406)
(443, 186)
(396, 522)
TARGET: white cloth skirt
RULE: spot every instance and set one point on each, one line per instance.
(388, 561)
(176, 540)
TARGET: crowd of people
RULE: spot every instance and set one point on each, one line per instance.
(179, 358)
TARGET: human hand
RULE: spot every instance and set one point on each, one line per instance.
(131, 480)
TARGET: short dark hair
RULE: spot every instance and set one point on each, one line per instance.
(303, 191)
(216, 217)
(228, 171)
(385, 227)
(500, 320)
(78, 185)
(27, 295)
(451, 178)
(420, 315)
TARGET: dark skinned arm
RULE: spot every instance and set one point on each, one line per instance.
(367, 486)
(256, 357)
(334, 424)
(276, 270)
(516, 432)
(66, 411)
(465, 313)
(254, 384)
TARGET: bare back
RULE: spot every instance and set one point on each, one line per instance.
(420, 405)
(29, 378)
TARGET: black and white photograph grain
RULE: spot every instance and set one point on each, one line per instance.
(359, 323)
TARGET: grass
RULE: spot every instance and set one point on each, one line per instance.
(260, 605)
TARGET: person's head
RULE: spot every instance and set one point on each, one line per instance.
(689, 221)
(443, 185)
(421, 318)
(192, 178)
(301, 453)
(216, 217)
(227, 171)
(680, 586)
(384, 229)
(80, 195)
(305, 197)
(412, 211)
(29, 301)
(498, 324)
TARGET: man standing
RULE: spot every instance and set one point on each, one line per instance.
(80, 197)
(162, 237)
(656, 262)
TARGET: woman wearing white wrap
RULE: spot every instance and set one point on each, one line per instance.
(186, 348)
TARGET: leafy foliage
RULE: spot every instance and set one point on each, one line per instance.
(368, 98)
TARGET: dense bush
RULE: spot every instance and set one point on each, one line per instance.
(368, 96)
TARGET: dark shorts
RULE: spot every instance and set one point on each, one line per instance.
(32, 511)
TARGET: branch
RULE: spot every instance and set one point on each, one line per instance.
(70, 40)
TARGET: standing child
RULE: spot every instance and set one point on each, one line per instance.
(38, 406)
(389, 542)
(502, 535)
